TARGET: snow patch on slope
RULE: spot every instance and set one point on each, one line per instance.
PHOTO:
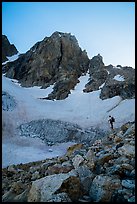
(119, 78)
(24, 150)
(84, 109)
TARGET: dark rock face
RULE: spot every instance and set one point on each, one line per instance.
(107, 77)
(97, 72)
(57, 59)
(7, 48)
(124, 88)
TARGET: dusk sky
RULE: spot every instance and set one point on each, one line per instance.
(107, 28)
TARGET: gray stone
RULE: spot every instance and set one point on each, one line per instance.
(12, 168)
(127, 150)
(8, 196)
(105, 158)
(60, 197)
(23, 197)
(35, 176)
(130, 130)
(77, 160)
(86, 176)
(103, 187)
(128, 184)
(43, 189)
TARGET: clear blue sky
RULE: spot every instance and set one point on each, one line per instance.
(107, 28)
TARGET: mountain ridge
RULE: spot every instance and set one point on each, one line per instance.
(7, 49)
(58, 60)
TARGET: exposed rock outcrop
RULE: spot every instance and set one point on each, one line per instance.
(124, 86)
(113, 81)
(57, 60)
(7, 48)
(8, 102)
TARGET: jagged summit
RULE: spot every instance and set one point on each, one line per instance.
(111, 80)
(7, 48)
(58, 60)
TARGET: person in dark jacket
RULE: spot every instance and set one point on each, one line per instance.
(111, 121)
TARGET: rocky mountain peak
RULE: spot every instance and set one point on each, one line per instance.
(7, 48)
(58, 60)
(96, 63)
(111, 80)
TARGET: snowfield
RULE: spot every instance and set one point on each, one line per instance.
(86, 110)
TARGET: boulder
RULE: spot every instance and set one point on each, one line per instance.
(44, 189)
(86, 176)
(12, 196)
(58, 168)
(130, 184)
(22, 197)
(12, 168)
(90, 157)
(77, 160)
(8, 196)
(104, 158)
(73, 148)
(102, 188)
(127, 150)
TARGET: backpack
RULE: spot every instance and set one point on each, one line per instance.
(113, 119)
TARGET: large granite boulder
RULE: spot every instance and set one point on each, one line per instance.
(45, 189)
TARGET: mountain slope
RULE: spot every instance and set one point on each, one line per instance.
(85, 109)
(26, 112)
(81, 103)
(35, 128)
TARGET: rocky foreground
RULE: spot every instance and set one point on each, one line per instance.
(100, 171)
